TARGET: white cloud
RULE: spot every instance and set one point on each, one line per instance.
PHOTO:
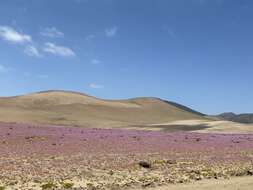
(52, 33)
(58, 50)
(95, 86)
(95, 61)
(32, 51)
(11, 35)
(110, 32)
(3, 69)
(90, 37)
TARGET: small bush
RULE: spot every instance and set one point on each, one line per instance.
(49, 185)
(67, 185)
(144, 164)
(2, 188)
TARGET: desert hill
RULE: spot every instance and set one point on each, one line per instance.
(72, 108)
(240, 118)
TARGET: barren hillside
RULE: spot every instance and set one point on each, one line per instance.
(71, 108)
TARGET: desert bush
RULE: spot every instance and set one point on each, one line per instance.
(48, 185)
(144, 164)
(67, 185)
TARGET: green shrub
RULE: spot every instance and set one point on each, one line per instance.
(67, 185)
(48, 185)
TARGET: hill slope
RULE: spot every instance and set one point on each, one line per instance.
(71, 108)
(240, 118)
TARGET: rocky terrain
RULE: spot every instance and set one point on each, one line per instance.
(57, 157)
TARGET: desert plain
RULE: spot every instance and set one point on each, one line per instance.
(64, 140)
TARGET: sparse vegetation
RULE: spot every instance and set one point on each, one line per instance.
(48, 185)
(67, 185)
(118, 160)
(144, 164)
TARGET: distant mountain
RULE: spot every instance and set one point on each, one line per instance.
(227, 116)
(240, 118)
(77, 109)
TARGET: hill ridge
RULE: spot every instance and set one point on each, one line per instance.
(63, 107)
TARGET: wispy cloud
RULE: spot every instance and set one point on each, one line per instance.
(95, 86)
(32, 51)
(9, 34)
(3, 69)
(90, 37)
(95, 61)
(52, 33)
(58, 50)
(110, 32)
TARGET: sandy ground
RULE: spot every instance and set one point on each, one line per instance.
(204, 126)
(240, 183)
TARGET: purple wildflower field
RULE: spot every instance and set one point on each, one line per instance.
(54, 157)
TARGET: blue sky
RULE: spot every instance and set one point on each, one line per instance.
(195, 52)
